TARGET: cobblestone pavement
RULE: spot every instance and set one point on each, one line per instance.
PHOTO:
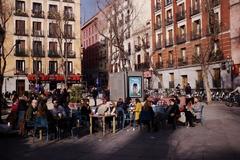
(217, 139)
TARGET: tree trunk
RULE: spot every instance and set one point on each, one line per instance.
(206, 83)
(1, 97)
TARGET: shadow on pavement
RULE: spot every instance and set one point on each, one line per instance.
(217, 139)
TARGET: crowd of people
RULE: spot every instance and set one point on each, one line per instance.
(152, 112)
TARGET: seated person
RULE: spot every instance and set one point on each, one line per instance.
(102, 108)
(58, 110)
(85, 110)
(189, 113)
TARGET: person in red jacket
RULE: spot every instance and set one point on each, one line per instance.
(12, 117)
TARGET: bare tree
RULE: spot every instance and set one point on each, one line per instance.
(63, 35)
(209, 53)
(114, 13)
(6, 12)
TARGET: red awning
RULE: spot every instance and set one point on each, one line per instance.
(72, 78)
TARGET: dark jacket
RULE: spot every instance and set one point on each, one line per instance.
(174, 109)
(22, 105)
(188, 90)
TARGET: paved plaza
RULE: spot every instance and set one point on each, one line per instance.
(217, 139)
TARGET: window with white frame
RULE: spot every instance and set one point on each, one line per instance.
(37, 66)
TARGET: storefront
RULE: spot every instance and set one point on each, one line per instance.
(52, 81)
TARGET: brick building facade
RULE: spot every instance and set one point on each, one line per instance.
(181, 33)
(94, 52)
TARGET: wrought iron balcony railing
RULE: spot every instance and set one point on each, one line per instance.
(69, 16)
(180, 15)
(21, 32)
(168, 2)
(38, 14)
(53, 54)
(170, 63)
(38, 53)
(195, 10)
(168, 21)
(20, 12)
(196, 35)
(158, 46)
(182, 61)
(158, 7)
(158, 26)
(69, 1)
(159, 65)
(216, 56)
(70, 54)
(38, 33)
(169, 42)
(21, 53)
(69, 35)
(181, 39)
(142, 66)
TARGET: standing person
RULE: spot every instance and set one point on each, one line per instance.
(22, 108)
(12, 117)
(147, 114)
(188, 90)
(173, 113)
(178, 90)
(120, 112)
(95, 94)
(137, 111)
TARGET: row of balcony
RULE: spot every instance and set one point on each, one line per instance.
(40, 33)
(51, 72)
(215, 56)
(40, 53)
(179, 40)
(68, 16)
(195, 9)
(159, 65)
(142, 66)
(138, 47)
(69, 1)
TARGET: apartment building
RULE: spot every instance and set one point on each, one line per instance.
(40, 51)
(235, 39)
(134, 29)
(95, 70)
(182, 33)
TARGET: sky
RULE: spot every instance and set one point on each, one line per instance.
(88, 9)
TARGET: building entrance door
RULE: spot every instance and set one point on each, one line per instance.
(20, 87)
(184, 80)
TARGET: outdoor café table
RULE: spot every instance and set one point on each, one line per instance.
(103, 117)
